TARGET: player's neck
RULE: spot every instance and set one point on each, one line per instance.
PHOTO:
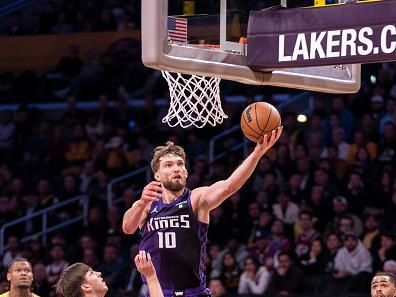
(17, 292)
(170, 196)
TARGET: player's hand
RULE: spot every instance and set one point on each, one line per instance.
(151, 192)
(144, 264)
(268, 141)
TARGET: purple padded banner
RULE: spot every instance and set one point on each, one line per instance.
(353, 33)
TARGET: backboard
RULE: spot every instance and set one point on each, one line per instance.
(208, 38)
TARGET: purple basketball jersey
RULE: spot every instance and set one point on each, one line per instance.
(176, 241)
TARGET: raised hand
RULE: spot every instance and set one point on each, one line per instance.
(144, 264)
(269, 141)
(151, 192)
(136, 215)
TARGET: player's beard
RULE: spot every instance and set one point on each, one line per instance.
(175, 186)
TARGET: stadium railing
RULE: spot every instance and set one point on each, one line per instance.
(82, 200)
(8, 7)
(111, 199)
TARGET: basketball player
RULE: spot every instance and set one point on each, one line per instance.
(20, 277)
(174, 220)
(383, 284)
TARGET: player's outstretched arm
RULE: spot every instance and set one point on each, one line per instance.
(212, 196)
(145, 266)
(135, 216)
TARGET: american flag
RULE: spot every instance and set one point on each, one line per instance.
(177, 29)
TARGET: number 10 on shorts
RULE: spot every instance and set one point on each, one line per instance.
(166, 240)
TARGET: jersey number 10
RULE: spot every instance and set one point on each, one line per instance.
(166, 240)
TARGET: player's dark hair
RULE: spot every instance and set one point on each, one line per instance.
(391, 276)
(17, 260)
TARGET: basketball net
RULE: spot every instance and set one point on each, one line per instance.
(194, 100)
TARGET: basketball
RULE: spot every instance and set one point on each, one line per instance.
(258, 119)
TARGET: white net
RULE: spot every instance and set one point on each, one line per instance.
(194, 100)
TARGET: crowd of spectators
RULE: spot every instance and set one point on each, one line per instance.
(86, 74)
(71, 16)
(118, 71)
(316, 217)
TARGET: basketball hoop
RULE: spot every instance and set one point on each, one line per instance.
(194, 100)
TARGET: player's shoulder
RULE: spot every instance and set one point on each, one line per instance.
(197, 195)
(4, 294)
(35, 295)
(198, 192)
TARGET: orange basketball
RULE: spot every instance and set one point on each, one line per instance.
(258, 119)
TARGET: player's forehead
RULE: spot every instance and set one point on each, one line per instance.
(20, 265)
(170, 158)
(89, 273)
(381, 278)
